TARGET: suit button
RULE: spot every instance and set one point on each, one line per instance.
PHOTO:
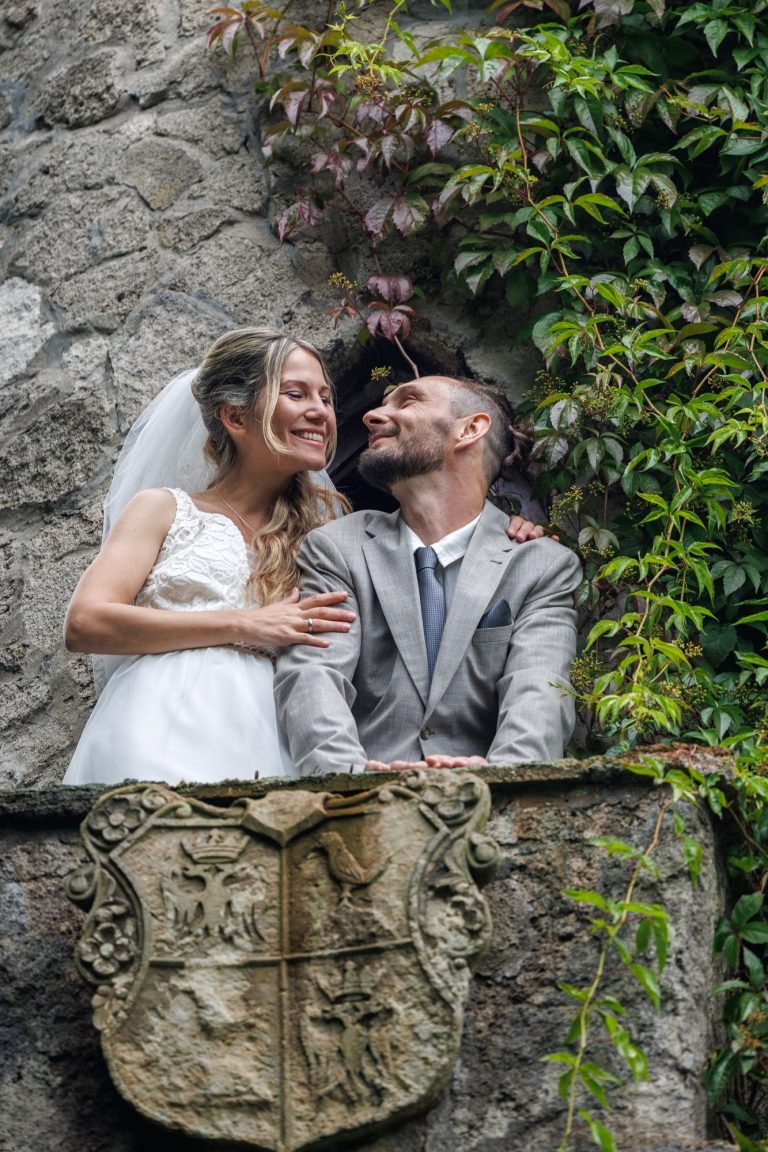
(425, 733)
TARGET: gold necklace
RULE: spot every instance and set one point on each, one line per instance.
(253, 531)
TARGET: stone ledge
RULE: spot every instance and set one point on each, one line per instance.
(69, 805)
(545, 818)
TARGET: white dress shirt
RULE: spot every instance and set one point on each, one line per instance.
(450, 553)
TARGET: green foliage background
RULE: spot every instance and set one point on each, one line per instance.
(609, 184)
(609, 180)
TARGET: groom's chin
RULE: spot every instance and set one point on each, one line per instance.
(376, 469)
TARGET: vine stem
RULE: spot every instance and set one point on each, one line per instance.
(584, 1011)
(403, 352)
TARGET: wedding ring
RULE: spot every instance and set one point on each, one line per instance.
(310, 625)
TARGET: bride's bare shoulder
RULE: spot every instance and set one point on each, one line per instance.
(152, 508)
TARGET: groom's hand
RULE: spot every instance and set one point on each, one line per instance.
(394, 766)
(456, 761)
(430, 762)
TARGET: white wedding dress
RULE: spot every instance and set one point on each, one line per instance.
(200, 715)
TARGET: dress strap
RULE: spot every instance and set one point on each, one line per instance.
(184, 501)
(186, 510)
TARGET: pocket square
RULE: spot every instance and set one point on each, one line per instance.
(497, 616)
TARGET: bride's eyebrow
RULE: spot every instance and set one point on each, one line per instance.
(298, 380)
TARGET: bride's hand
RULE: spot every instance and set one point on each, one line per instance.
(294, 621)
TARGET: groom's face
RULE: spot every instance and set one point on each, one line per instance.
(409, 434)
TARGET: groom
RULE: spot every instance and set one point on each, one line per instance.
(463, 641)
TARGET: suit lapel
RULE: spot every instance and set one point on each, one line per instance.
(393, 575)
(482, 568)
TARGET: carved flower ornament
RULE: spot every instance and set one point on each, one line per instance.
(112, 943)
(119, 815)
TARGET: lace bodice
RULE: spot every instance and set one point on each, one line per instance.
(204, 563)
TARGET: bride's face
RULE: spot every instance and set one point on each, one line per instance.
(304, 420)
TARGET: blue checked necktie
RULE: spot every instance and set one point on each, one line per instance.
(432, 596)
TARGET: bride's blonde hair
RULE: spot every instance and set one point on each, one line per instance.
(243, 369)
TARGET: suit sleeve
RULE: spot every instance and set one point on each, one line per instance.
(536, 708)
(313, 686)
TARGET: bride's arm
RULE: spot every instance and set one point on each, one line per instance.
(102, 617)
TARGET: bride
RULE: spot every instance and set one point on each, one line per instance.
(193, 591)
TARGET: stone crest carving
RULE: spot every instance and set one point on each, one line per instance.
(289, 969)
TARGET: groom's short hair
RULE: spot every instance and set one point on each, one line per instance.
(468, 396)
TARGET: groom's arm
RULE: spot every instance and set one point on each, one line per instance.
(536, 705)
(314, 686)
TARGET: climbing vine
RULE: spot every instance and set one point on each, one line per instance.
(605, 185)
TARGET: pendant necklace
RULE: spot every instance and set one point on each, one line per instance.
(253, 531)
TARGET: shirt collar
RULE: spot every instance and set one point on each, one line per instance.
(451, 548)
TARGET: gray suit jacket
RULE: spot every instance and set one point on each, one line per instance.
(506, 650)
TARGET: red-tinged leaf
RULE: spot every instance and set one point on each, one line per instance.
(296, 87)
(699, 253)
(286, 222)
(378, 321)
(610, 11)
(229, 37)
(364, 144)
(438, 135)
(560, 7)
(390, 322)
(327, 97)
(306, 52)
(541, 159)
(377, 217)
(389, 145)
(332, 161)
(458, 108)
(371, 110)
(404, 313)
(409, 213)
(293, 105)
(726, 298)
(213, 33)
(392, 289)
(257, 27)
(303, 212)
(448, 193)
(284, 46)
(295, 36)
(409, 117)
(344, 309)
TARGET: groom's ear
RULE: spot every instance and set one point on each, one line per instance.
(471, 429)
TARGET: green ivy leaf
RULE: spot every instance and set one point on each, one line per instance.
(718, 641)
(745, 908)
(646, 978)
(602, 1136)
(754, 968)
(715, 31)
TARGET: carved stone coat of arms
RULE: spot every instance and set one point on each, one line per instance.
(289, 969)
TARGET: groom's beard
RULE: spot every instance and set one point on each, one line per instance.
(387, 465)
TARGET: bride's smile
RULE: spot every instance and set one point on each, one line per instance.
(304, 421)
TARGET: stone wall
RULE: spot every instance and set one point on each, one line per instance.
(137, 225)
(55, 1091)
